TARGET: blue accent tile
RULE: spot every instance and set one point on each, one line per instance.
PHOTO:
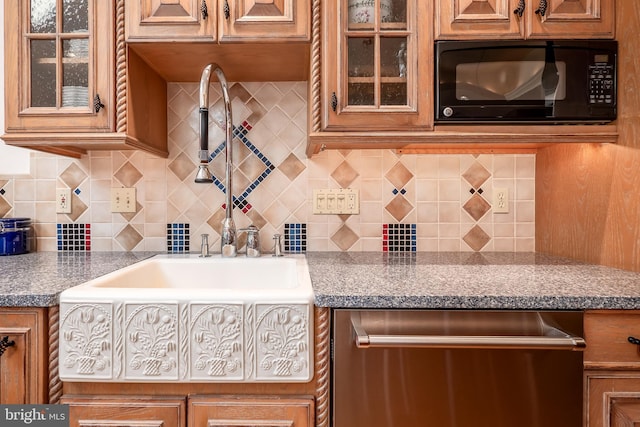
(178, 238)
(295, 238)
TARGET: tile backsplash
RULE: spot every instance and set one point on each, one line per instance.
(443, 201)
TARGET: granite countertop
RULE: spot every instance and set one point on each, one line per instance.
(36, 279)
(468, 280)
(464, 280)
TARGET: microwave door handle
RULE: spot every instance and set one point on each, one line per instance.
(553, 339)
(550, 77)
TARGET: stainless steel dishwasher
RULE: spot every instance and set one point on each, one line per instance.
(410, 368)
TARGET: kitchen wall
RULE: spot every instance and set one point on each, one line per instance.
(588, 203)
(444, 201)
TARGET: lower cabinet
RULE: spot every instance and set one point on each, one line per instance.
(213, 411)
(612, 368)
(130, 411)
(190, 411)
(24, 356)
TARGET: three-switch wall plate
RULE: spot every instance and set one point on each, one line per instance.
(333, 201)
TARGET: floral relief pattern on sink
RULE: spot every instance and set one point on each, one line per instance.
(188, 319)
(185, 342)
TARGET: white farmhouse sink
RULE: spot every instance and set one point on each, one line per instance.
(182, 318)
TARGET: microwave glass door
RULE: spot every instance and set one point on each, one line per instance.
(511, 81)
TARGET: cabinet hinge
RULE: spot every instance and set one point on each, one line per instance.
(334, 101)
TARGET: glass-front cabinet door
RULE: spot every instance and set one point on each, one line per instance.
(377, 64)
(59, 67)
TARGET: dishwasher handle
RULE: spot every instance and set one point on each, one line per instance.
(553, 339)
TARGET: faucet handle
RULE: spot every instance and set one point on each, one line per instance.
(253, 241)
(277, 249)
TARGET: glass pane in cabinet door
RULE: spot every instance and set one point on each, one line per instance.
(361, 54)
(76, 16)
(393, 70)
(362, 13)
(43, 16)
(75, 73)
(393, 13)
(43, 73)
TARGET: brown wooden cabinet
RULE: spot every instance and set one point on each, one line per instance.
(612, 369)
(23, 365)
(250, 411)
(376, 65)
(213, 20)
(99, 411)
(68, 85)
(189, 411)
(540, 19)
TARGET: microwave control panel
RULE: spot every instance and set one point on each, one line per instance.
(601, 83)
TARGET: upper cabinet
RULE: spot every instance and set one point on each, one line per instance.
(67, 85)
(376, 65)
(58, 57)
(218, 20)
(252, 40)
(171, 19)
(540, 19)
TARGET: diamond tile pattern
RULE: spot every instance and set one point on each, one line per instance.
(73, 176)
(128, 175)
(476, 206)
(476, 175)
(345, 237)
(476, 238)
(128, 238)
(399, 175)
(399, 207)
(344, 174)
(258, 168)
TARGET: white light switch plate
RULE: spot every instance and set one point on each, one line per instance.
(123, 200)
(336, 201)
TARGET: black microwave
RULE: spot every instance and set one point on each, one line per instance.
(541, 81)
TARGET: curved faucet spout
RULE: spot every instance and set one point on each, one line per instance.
(228, 235)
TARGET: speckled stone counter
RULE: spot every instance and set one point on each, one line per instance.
(36, 279)
(373, 280)
(468, 281)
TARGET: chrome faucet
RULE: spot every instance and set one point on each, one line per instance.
(228, 243)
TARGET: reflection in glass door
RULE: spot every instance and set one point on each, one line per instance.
(377, 38)
(59, 39)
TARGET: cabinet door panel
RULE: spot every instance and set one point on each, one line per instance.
(57, 66)
(287, 20)
(376, 66)
(612, 399)
(247, 411)
(171, 20)
(129, 411)
(23, 365)
(571, 19)
(457, 19)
